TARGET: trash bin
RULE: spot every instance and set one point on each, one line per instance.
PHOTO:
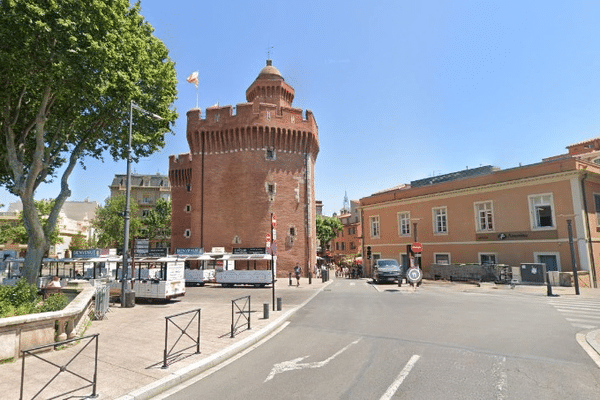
(129, 299)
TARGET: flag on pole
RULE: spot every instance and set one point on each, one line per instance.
(193, 78)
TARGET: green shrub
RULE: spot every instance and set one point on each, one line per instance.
(22, 299)
(53, 303)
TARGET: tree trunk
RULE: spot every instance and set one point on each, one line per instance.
(37, 244)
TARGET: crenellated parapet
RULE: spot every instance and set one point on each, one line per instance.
(252, 126)
(180, 169)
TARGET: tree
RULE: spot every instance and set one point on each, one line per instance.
(68, 74)
(78, 242)
(110, 225)
(16, 233)
(327, 228)
(157, 224)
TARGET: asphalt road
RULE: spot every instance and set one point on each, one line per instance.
(356, 340)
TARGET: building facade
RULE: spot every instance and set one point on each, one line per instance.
(75, 218)
(488, 215)
(145, 190)
(347, 244)
(247, 164)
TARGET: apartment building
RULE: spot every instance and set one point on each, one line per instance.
(487, 215)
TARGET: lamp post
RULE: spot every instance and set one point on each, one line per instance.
(125, 273)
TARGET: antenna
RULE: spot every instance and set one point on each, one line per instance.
(269, 47)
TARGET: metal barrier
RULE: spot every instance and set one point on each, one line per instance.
(63, 368)
(101, 301)
(182, 332)
(242, 312)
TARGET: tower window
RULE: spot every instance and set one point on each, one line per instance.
(270, 154)
(187, 233)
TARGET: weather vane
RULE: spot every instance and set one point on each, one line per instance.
(269, 52)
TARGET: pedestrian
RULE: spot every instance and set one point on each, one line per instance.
(297, 271)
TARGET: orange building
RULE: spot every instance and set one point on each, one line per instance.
(247, 163)
(347, 244)
(487, 215)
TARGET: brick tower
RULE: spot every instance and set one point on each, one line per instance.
(245, 164)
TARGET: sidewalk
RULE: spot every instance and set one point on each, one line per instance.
(131, 343)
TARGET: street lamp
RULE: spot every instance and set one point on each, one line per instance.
(125, 274)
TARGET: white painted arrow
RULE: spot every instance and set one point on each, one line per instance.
(294, 364)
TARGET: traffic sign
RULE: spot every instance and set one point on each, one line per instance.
(273, 221)
(416, 247)
(414, 275)
(268, 237)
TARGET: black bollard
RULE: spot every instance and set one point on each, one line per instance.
(266, 310)
(279, 304)
(290, 276)
(309, 278)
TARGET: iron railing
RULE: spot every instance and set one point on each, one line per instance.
(168, 353)
(243, 314)
(66, 368)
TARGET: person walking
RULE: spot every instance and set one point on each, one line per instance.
(297, 272)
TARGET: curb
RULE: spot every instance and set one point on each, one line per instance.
(591, 339)
(177, 377)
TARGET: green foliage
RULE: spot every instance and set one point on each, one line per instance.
(157, 224)
(327, 228)
(69, 70)
(110, 224)
(23, 298)
(16, 232)
(55, 302)
(78, 242)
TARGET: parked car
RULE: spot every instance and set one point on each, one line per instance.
(386, 270)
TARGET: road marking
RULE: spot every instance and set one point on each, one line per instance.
(403, 374)
(294, 364)
(500, 371)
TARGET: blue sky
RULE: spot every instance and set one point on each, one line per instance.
(401, 90)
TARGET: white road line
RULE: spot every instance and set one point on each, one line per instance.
(403, 374)
(582, 326)
(500, 371)
(581, 313)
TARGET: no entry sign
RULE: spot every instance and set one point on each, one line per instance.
(416, 247)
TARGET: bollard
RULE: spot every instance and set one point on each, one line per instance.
(290, 275)
(266, 311)
(309, 278)
(548, 285)
(279, 304)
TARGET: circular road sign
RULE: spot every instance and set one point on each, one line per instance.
(414, 275)
(416, 247)
(268, 237)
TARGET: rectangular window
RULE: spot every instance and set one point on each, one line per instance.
(484, 216)
(404, 224)
(597, 203)
(441, 258)
(343, 246)
(487, 258)
(374, 222)
(542, 211)
(440, 221)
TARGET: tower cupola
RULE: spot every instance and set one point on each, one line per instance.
(270, 87)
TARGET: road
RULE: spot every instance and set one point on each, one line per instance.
(357, 340)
